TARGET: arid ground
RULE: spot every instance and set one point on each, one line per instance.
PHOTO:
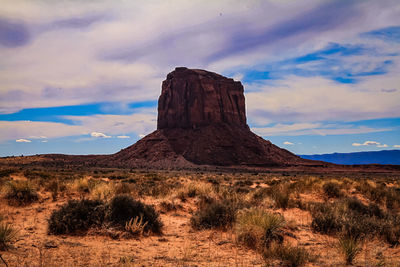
(208, 218)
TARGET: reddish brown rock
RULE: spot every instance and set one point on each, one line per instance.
(197, 98)
(202, 121)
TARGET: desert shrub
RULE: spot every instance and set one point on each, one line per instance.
(290, 256)
(83, 185)
(305, 184)
(390, 230)
(281, 199)
(53, 187)
(279, 194)
(371, 210)
(350, 248)
(31, 174)
(123, 208)
(76, 217)
(332, 190)
(195, 189)
(20, 192)
(380, 194)
(6, 172)
(8, 234)
(326, 222)
(216, 214)
(122, 188)
(352, 219)
(102, 191)
(258, 228)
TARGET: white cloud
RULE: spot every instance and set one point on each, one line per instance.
(23, 140)
(383, 145)
(310, 99)
(396, 146)
(370, 143)
(288, 143)
(141, 135)
(100, 135)
(123, 136)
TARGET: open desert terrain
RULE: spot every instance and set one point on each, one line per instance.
(208, 218)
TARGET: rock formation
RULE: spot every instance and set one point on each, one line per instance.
(202, 121)
(197, 98)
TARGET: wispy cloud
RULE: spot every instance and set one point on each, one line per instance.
(23, 140)
(99, 135)
(123, 136)
(371, 143)
(288, 143)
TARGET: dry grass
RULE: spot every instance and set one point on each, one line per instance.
(250, 209)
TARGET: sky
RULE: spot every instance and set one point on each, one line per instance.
(83, 77)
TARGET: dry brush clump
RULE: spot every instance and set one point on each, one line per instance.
(351, 218)
(78, 216)
(288, 255)
(264, 231)
(20, 192)
(214, 214)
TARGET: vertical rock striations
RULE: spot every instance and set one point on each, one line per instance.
(196, 98)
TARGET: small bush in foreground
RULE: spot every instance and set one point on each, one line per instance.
(76, 217)
(123, 208)
(20, 193)
(7, 235)
(289, 255)
(257, 228)
(350, 248)
(217, 214)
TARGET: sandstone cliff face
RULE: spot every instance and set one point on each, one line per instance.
(197, 98)
(202, 121)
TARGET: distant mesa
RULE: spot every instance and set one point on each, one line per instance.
(202, 121)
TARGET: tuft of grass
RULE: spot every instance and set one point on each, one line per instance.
(290, 256)
(102, 191)
(214, 214)
(8, 234)
(122, 188)
(20, 192)
(258, 228)
(135, 226)
(349, 247)
(195, 189)
(82, 185)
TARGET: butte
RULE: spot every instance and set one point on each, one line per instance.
(202, 121)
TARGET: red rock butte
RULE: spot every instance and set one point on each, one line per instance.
(202, 121)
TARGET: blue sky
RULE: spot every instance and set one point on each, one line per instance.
(83, 77)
